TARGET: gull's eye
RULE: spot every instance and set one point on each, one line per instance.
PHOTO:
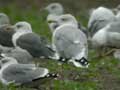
(19, 26)
(64, 19)
(8, 28)
(53, 7)
(49, 21)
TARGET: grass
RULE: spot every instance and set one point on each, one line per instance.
(102, 74)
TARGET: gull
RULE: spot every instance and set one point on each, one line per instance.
(21, 55)
(12, 72)
(26, 39)
(99, 18)
(55, 8)
(109, 36)
(62, 19)
(4, 19)
(70, 42)
(6, 31)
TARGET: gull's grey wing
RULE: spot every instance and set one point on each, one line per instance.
(97, 25)
(113, 39)
(35, 45)
(113, 33)
(22, 73)
(101, 13)
(5, 49)
(99, 19)
(21, 55)
(69, 41)
(114, 26)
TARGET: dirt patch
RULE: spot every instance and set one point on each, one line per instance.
(108, 80)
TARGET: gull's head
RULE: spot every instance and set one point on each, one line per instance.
(55, 21)
(4, 19)
(52, 22)
(67, 19)
(23, 26)
(117, 9)
(55, 8)
(7, 60)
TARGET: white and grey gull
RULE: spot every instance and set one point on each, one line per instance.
(28, 40)
(99, 18)
(109, 36)
(6, 31)
(12, 72)
(70, 42)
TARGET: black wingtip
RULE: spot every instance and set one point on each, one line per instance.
(83, 61)
(49, 75)
(53, 75)
(63, 60)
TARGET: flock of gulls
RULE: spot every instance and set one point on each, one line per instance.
(19, 45)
